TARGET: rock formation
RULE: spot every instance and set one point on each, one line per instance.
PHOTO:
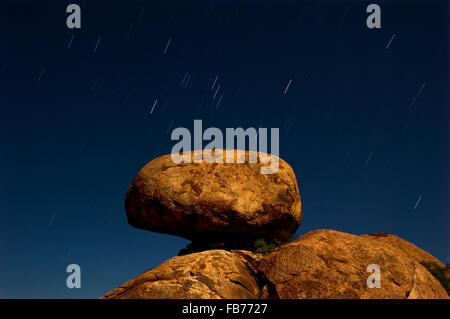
(321, 264)
(217, 205)
(212, 274)
(231, 205)
(331, 264)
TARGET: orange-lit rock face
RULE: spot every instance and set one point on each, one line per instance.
(215, 202)
(331, 264)
(212, 274)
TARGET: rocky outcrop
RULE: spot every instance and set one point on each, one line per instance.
(227, 209)
(213, 274)
(320, 264)
(216, 205)
(331, 264)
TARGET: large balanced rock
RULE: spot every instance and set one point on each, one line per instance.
(212, 274)
(331, 264)
(215, 204)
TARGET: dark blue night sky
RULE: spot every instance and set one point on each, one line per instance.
(364, 123)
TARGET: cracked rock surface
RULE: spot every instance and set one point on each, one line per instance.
(212, 274)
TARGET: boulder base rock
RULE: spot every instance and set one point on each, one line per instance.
(216, 205)
(213, 274)
(320, 264)
(331, 264)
